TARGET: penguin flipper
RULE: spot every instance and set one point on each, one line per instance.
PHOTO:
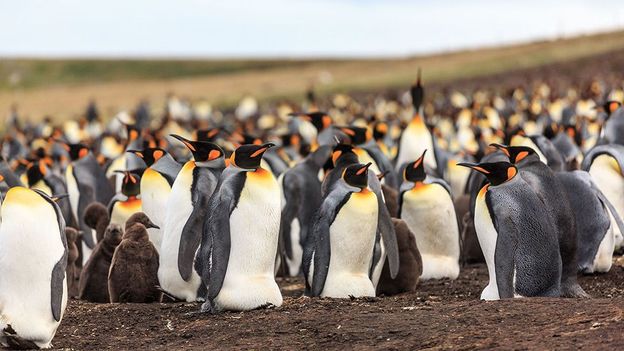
(58, 277)
(291, 194)
(87, 196)
(385, 226)
(190, 240)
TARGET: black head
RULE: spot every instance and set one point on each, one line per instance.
(357, 135)
(244, 139)
(210, 134)
(76, 151)
(415, 171)
(380, 130)
(357, 175)
(149, 155)
(515, 153)
(320, 120)
(203, 151)
(611, 106)
(418, 92)
(133, 133)
(36, 171)
(292, 139)
(340, 150)
(131, 184)
(249, 156)
(496, 172)
(141, 218)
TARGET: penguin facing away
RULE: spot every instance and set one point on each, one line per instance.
(344, 234)
(240, 239)
(31, 309)
(425, 204)
(518, 238)
(186, 211)
(133, 274)
(552, 194)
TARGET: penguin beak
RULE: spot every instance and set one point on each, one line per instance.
(152, 225)
(189, 145)
(474, 166)
(56, 198)
(363, 169)
(501, 147)
(136, 152)
(420, 159)
(382, 175)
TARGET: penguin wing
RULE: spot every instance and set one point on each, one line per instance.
(292, 191)
(215, 250)
(553, 156)
(503, 252)
(190, 239)
(385, 227)
(326, 215)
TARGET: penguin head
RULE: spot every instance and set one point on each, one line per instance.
(133, 133)
(496, 172)
(113, 234)
(357, 135)
(417, 92)
(340, 150)
(140, 218)
(357, 175)
(35, 172)
(76, 151)
(515, 153)
(209, 134)
(249, 156)
(131, 184)
(203, 151)
(71, 234)
(320, 120)
(611, 106)
(94, 213)
(149, 155)
(415, 171)
(136, 232)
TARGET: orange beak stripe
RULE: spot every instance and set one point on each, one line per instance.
(348, 131)
(481, 169)
(83, 152)
(418, 162)
(361, 170)
(190, 146)
(259, 152)
(613, 106)
(132, 179)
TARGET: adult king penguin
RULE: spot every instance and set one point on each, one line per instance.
(425, 204)
(128, 202)
(156, 183)
(33, 259)
(517, 236)
(186, 211)
(339, 259)
(555, 203)
(240, 239)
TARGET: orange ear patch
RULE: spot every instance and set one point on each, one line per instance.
(511, 172)
(326, 121)
(213, 155)
(83, 152)
(522, 155)
(613, 106)
(158, 154)
(134, 134)
(336, 155)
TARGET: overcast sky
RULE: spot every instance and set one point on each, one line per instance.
(292, 28)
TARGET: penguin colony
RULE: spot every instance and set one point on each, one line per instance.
(361, 200)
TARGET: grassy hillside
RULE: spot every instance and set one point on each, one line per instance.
(63, 87)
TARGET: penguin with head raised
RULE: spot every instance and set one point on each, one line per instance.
(128, 201)
(605, 164)
(133, 274)
(341, 246)
(301, 197)
(240, 239)
(552, 194)
(94, 275)
(518, 239)
(425, 204)
(86, 183)
(126, 160)
(156, 183)
(33, 292)
(186, 212)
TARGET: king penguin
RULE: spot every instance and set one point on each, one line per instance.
(343, 237)
(518, 239)
(240, 238)
(33, 292)
(425, 204)
(128, 201)
(185, 214)
(555, 203)
(156, 182)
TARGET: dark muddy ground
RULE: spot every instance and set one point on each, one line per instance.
(440, 314)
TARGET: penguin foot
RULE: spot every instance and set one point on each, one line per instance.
(266, 306)
(574, 291)
(17, 343)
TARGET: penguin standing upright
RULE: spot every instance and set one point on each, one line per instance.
(339, 260)
(417, 137)
(94, 275)
(33, 284)
(126, 160)
(156, 183)
(518, 239)
(240, 239)
(552, 194)
(39, 177)
(128, 201)
(425, 204)
(186, 211)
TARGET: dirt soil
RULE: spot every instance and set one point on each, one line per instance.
(440, 315)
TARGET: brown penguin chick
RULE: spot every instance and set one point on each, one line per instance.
(470, 248)
(410, 264)
(391, 197)
(72, 256)
(133, 275)
(94, 275)
(97, 218)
